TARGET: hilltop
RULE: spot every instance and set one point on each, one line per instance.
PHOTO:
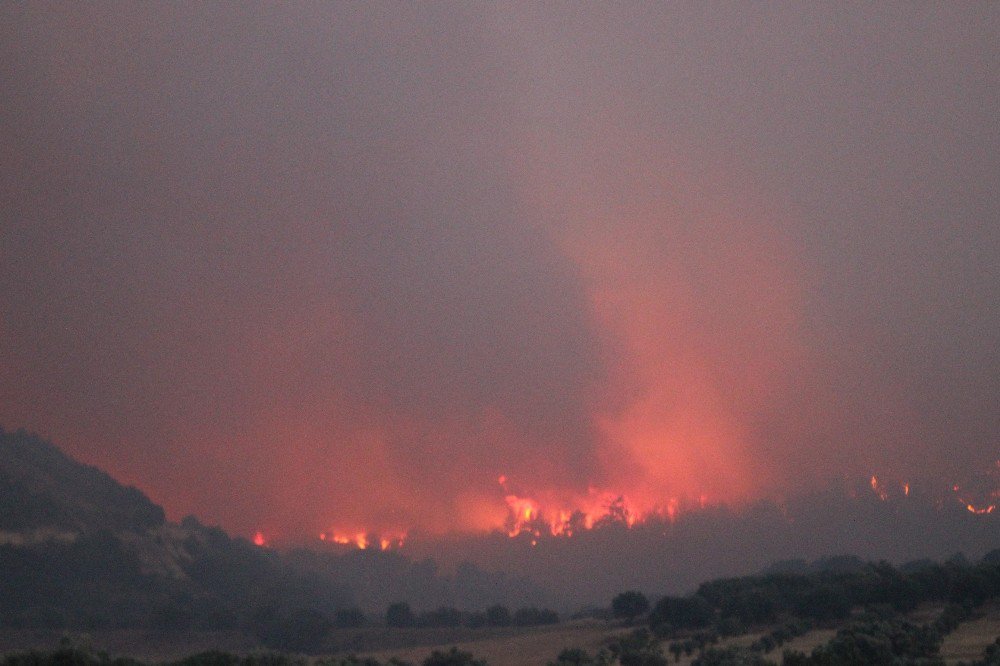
(80, 550)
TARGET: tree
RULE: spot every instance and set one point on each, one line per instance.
(304, 630)
(629, 605)
(442, 617)
(529, 617)
(639, 648)
(572, 657)
(349, 617)
(399, 615)
(498, 616)
(452, 657)
(682, 612)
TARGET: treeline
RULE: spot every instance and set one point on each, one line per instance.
(400, 615)
(733, 605)
(79, 551)
(866, 600)
(69, 655)
(106, 580)
(97, 581)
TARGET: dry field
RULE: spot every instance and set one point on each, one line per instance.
(539, 645)
(542, 646)
(970, 639)
(146, 646)
(508, 646)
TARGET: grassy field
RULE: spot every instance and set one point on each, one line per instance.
(507, 646)
(143, 645)
(539, 645)
(970, 639)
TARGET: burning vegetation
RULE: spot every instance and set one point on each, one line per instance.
(537, 517)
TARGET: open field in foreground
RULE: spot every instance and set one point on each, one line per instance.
(535, 646)
(970, 639)
(507, 646)
(541, 645)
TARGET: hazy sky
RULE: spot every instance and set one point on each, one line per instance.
(312, 265)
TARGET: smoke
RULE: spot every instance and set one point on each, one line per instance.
(343, 266)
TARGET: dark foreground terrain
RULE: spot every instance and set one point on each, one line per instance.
(843, 611)
(92, 571)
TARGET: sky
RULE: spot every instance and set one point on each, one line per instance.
(293, 267)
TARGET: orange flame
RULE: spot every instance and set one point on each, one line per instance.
(364, 540)
(877, 488)
(566, 517)
(979, 498)
(258, 539)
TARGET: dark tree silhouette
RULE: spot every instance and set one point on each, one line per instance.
(399, 615)
(630, 605)
(498, 616)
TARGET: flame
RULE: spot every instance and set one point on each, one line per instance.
(980, 492)
(554, 515)
(258, 539)
(364, 540)
(884, 491)
(877, 488)
(564, 517)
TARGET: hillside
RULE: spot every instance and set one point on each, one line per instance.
(80, 550)
(44, 490)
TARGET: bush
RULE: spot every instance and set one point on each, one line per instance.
(573, 657)
(399, 615)
(475, 620)
(349, 618)
(682, 612)
(442, 617)
(629, 605)
(302, 631)
(731, 656)
(452, 657)
(638, 648)
(528, 617)
(498, 616)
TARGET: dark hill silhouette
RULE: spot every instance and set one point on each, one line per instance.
(80, 550)
(41, 488)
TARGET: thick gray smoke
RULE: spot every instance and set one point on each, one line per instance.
(297, 267)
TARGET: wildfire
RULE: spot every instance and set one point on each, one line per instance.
(877, 488)
(526, 515)
(259, 540)
(884, 491)
(364, 540)
(980, 495)
(553, 515)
